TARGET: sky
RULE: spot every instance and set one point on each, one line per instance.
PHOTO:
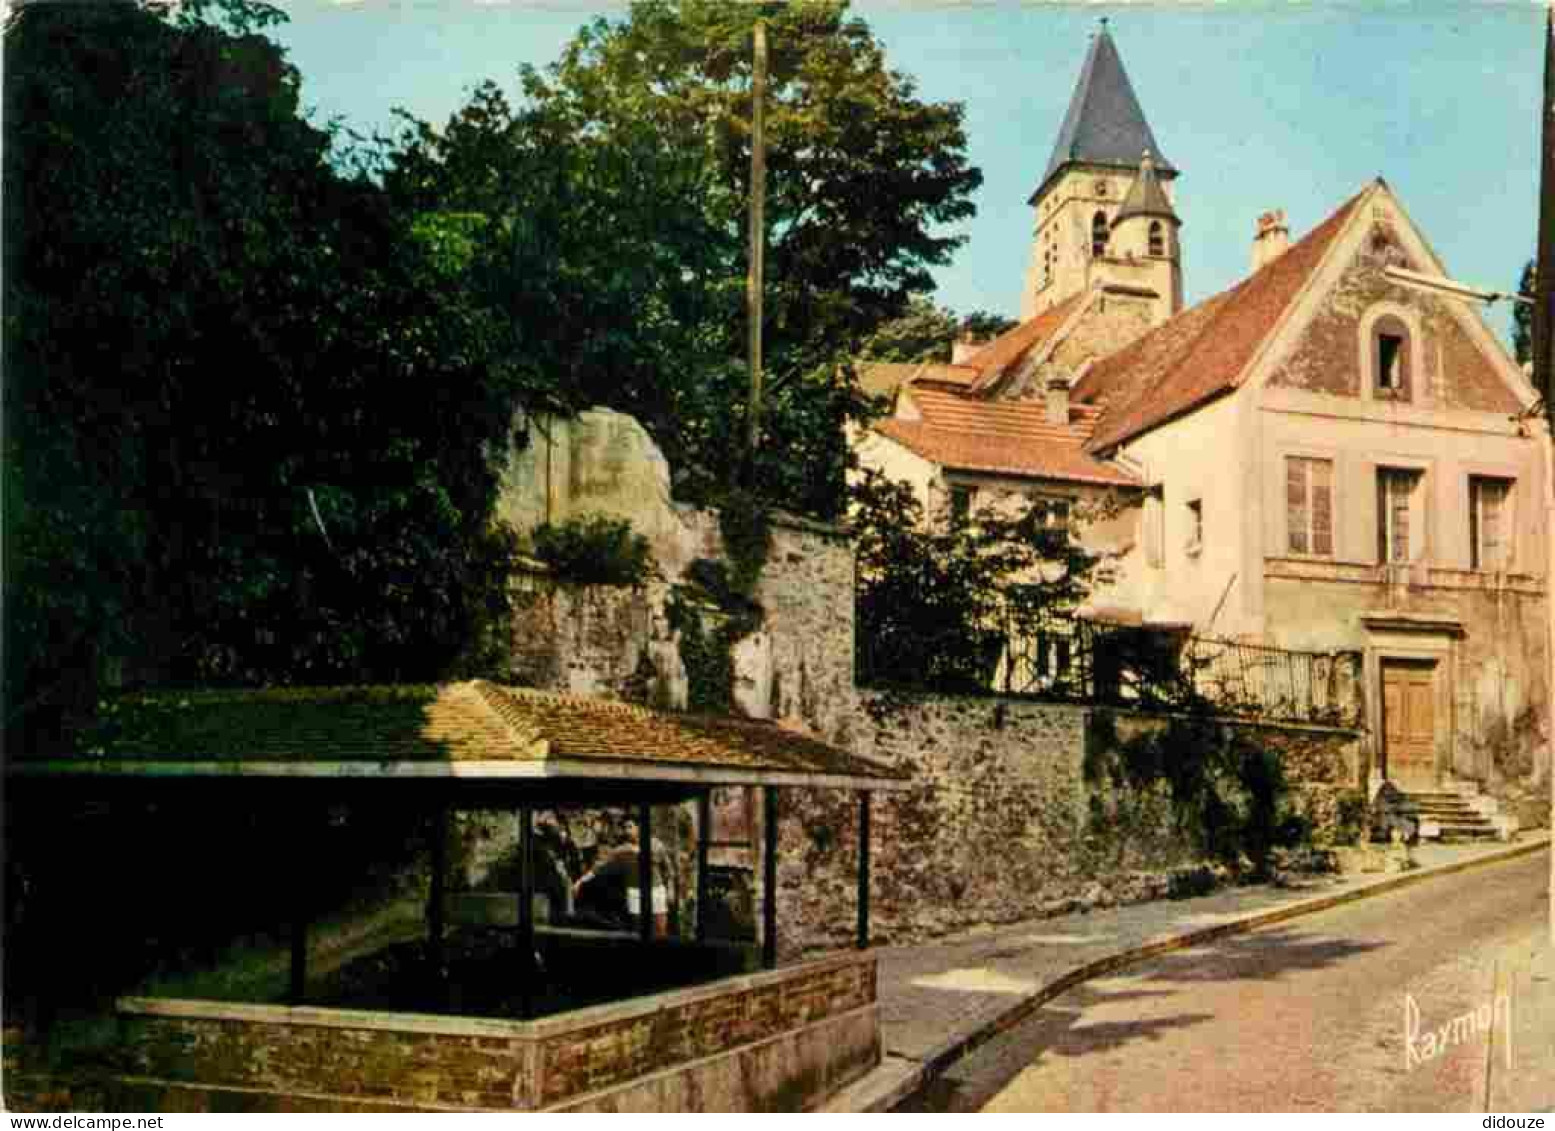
(1260, 105)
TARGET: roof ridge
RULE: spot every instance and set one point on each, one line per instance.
(1119, 421)
(490, 696)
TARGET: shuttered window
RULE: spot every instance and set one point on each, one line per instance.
(1309, 505)
(1397, 493)
(1490, 535)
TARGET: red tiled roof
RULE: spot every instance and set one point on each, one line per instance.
(882, 378)
(1006, 437)
(1012, 345)
(483, 728)
(1202, 352)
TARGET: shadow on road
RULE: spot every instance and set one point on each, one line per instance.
(1061, 1029)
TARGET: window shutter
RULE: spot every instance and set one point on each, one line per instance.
(1322, 506)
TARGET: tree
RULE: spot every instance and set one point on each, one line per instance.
(617, 193)
(926, 332)
(1522, 317)
(940, 597)
(253, 422)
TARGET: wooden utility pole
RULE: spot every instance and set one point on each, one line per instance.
(1544, 267)
(758, 236)
(1543, 326)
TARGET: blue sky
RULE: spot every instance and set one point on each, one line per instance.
(1261, 105)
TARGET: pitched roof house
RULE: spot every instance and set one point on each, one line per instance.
(1325, 458)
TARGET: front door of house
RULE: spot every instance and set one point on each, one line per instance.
(1408, 722)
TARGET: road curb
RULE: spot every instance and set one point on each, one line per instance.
(901, 1084)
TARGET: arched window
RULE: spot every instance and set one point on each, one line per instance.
(1099, 235)
(1157, 239)
(1389, 353)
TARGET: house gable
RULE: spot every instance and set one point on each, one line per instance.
(1451, 361)
(1210, 349)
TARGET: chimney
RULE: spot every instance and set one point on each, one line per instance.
(1058, 400)
(964, 347)
(1271, 239)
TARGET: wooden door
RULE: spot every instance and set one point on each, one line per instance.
(1408, 721)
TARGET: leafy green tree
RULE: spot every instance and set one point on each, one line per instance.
(939, 596)
(1522, 317)
(616, 195)
(253, 420)
(927, 332)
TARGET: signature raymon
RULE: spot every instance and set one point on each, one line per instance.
(1422, 1045)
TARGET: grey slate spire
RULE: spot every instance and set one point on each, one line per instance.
(1145, 196)
(1104, 125)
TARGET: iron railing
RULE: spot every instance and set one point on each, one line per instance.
(1069, 659)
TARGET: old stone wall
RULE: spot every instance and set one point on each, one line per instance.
(995, 827)
(779, 1040)
(624, 642)
(1000, 822)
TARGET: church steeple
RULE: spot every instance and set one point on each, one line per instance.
(1093, 178)
(1105, 124)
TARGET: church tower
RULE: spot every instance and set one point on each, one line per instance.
(1106, 184)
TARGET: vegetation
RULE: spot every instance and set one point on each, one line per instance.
(1522, 317)
(1228, 792)
(253, 419)
(937, 599)
(627, 163)
(594, 550)
(926, 332)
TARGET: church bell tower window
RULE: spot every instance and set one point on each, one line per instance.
(1099, 235)
(1157, 239)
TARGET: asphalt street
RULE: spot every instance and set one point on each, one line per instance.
(1413, 1001)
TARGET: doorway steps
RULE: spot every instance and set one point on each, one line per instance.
(1456, 812)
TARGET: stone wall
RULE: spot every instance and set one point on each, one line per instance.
(776, 1041)
(620, 642)
(994, 828)
(1000, 823)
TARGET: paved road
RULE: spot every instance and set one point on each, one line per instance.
(1312, 1015)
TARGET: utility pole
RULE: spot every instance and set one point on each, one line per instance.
(1543, 326)
(758, 239)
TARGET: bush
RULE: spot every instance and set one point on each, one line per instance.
(1351, 817)
(1228, 792)
(594, 550)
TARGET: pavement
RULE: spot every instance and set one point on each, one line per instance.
(941, 1000)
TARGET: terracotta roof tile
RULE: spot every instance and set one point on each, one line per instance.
(1204, 351)
(461, 722)
(1010, 437)
(882, 378)
(1014, 344)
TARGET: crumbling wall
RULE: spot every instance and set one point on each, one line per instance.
(1001, 822)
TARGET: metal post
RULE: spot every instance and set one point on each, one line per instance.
(863, 870)
(769, 880)
(526, 907)
(704, 835)
(644, 872)
(437, 890)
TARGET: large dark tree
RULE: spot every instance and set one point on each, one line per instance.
(252, 417)
(1522, 317)
(627, 166)
(939, 596)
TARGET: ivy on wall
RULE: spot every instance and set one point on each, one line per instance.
(1228, 791)
(594, 550)
(715, 609)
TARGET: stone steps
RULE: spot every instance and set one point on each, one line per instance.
(1450, 816)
